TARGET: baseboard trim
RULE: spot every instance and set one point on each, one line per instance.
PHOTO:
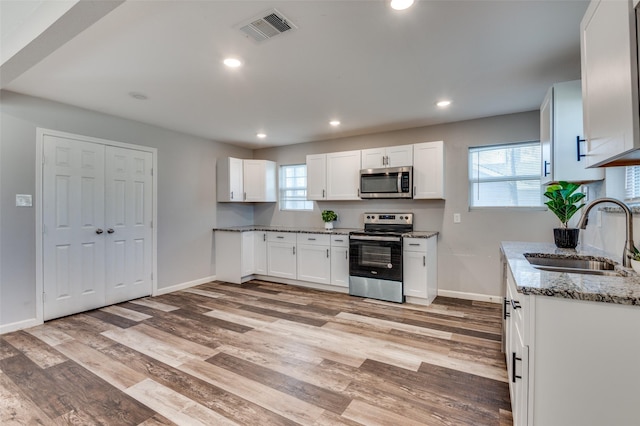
(20, 325)
(470, 296)
(182, 286)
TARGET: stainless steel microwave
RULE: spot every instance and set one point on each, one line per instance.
(390, 182)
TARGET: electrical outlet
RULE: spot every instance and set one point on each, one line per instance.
(456, 218)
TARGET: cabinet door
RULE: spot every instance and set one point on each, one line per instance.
(281, 260)
(340, 266)
(236, 185)
(253, 180)
(343, 175)
(373, 158)
(546, 123)
(317, 177)
(428, 170)
(609, 80)
(260, 252)
(314, 263)
(399, 156)
(414, 273)
(248, 254)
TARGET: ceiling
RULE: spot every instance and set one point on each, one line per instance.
(372, 68)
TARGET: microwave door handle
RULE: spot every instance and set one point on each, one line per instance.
(399, 182)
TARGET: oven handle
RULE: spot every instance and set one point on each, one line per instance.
(374, 238)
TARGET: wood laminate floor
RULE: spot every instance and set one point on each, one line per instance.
(259, 354)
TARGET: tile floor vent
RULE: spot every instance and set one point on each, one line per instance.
(268, 25)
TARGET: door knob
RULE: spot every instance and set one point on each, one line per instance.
(110, 231)
(99, 231)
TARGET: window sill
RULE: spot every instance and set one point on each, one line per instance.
(635, 209)
(495, 208)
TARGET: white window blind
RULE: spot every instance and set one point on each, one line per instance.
(293, 188)
(632, 184)
(506, 175)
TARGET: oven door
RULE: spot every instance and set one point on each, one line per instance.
(375, 256)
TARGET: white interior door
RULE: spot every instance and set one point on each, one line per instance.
(73, 219)
(128, 224)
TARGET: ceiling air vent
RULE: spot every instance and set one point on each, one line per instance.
(268, 25)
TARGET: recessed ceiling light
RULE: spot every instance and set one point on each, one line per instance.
(232, 62)
(443, 104)
(401, 4)
(139, 96)
(261, 135)
(334, 123)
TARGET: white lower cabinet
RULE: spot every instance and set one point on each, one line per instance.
(281, 255)
(235, 255)
(314, 258)
(419, 269)
(571, 362)
(340, 260)
(260, 252)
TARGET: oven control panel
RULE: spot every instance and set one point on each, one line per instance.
(388, 218)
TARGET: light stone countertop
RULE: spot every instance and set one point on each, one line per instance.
(623, 290)
(335, 231)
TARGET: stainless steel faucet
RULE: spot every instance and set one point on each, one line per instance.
(629, 247)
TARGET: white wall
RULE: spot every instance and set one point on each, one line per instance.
(187, 210)
(468, 252)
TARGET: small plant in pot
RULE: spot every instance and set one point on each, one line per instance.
(328, 216)
(564, 202)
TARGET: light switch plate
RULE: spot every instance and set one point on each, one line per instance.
(24, 200)
(456, 218)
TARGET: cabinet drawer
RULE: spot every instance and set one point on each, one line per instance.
(314, 239)
(414, 244)
(339, 241)
(288, 237)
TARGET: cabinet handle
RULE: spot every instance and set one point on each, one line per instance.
(414, 244)
(424, 260)
(264, 237)
(245, 196)
(323, 193)
(280, 236)
(578, 140)
(505, 313)
(232, 195)
(327, 253)
(311, 239)
(515, 304)
(546, 163)
(339, 241)
(414, 191)
(346, 254)
(514, 358)
(294, 250)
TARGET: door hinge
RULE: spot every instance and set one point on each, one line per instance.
(44, 228)
(152, 171)
(44, 159)
(44, 296)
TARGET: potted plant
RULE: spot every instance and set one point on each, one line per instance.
(328, 216)
(564, 202)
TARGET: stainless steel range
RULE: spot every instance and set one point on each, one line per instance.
(375, 256)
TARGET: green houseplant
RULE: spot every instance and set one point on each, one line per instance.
(564, 202)
(328, 216)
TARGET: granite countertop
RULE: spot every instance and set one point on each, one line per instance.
(624, 289)
(334, 231)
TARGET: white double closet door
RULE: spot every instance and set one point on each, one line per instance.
(97, 236)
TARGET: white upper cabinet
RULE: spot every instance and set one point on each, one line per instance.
(562, 145)
(343, 175)
(246, 180)
(610, 83)
(317, 177)
(393, 156)
(333, 176)
(428, 170)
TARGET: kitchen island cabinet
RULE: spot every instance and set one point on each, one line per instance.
(572, 342)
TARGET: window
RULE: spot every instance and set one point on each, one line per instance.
(505, 175)
(632, 184)
(293, 188)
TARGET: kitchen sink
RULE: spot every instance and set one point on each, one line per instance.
(582, 265)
